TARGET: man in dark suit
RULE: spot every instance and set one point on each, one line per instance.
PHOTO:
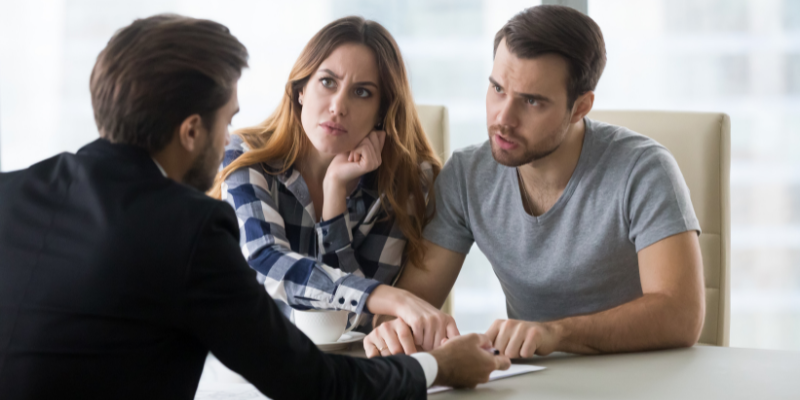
(118, 275)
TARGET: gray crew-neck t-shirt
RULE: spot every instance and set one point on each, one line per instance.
(579, 257)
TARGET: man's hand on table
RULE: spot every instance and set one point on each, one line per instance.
(523, 339)
(466, 361)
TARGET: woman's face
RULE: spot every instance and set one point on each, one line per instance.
(341, 100)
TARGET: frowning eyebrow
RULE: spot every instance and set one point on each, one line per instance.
(537, 97)
(364, 83)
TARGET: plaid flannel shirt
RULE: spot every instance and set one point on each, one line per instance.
(330, 265)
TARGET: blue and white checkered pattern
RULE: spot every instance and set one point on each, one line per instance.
(331, 265)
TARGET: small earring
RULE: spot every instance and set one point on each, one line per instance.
(300, 100)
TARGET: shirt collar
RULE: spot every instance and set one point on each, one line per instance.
(160, 168)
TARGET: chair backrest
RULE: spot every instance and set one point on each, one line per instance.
(436, 125)
(700, 143)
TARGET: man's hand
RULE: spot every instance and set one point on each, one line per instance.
(523, 339)
(467, 361)
(418, 324)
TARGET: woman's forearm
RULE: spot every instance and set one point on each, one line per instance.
(335, 200)
(385, 300)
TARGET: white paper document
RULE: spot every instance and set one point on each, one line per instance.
(516, 369)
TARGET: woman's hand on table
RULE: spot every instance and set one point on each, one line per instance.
(419, 325)
(390, 337)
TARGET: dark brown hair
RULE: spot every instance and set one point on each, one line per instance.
(158, 71)
(559, 30)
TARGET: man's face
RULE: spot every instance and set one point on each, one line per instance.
(526, 106)
(201, 175)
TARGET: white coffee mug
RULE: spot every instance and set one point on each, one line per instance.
(322, 326)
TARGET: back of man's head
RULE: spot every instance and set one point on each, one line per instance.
(158, 71)
(558, 30)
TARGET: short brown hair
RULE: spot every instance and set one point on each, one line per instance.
(559, 30)
(158, 71)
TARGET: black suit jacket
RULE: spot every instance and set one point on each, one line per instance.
(116, 282)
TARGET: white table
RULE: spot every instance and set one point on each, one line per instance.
(700, 372)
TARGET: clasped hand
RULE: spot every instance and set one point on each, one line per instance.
(418, 326)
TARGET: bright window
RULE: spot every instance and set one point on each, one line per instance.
(740, 57)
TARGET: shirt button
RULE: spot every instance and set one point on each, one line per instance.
(353, 303)
(341, 300)
(324, 231)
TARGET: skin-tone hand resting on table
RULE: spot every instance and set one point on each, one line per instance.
(622, 269)
(461, 366)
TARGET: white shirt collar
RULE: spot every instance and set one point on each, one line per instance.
(160, 168)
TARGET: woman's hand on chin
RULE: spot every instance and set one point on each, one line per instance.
(366, 157)
(419, 325)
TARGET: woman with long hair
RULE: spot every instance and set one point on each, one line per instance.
(334, 188)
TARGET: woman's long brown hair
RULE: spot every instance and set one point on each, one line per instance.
(400, 177)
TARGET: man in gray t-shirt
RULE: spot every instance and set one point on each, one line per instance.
(580, 256)
(588, 226)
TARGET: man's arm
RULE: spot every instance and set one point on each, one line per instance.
(669, 314)
(448, 239)
(431, 284)
(224, 308)
(434, 282)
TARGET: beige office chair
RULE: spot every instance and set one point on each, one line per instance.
(437, 127)
(700, 143)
